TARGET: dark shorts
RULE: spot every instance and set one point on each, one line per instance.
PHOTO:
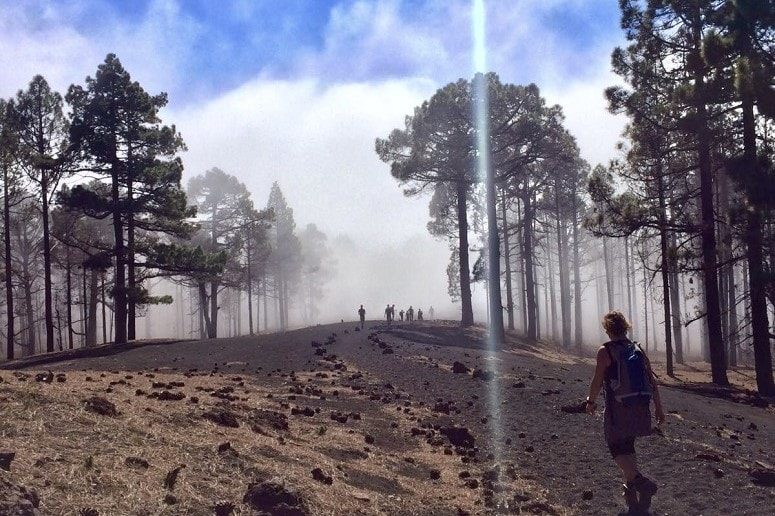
(621, 446)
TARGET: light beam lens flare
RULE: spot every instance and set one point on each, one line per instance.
(481, 120)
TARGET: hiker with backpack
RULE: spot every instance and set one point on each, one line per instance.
(624, 372)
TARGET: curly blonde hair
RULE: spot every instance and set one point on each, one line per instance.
(615, 323)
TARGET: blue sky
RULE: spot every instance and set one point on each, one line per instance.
(215, 46)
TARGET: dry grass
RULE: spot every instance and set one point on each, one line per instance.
(75, 459)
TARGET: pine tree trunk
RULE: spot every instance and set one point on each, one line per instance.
(212, 329)
(609, 289)
(91, 327)
(564, 272)
(552, 289)
(69, 297)
(507, 264)
(467, 314)
(10, 328)
(104, 315)
(708, 232)
(733, 329)
(675, 303)
(665, 270)
(578, 328)
(48, 311)
(119, 289)
(755, 259)
(250, 288)
(527, 254)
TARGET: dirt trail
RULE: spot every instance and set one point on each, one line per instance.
(701, 463)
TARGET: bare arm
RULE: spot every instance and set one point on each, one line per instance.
(603, 361)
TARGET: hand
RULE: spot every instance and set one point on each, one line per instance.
(660, 415)
(589, 406)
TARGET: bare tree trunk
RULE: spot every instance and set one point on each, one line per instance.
(47, 263)
(507, 264)
(91, 328)
(608, 276)
(552, 291)
(11, 331)
(675, 303)
(250, 288)
(119, 289)
(708, 218)
(527, 254)
(104, 315)
(467, 314)
(69, 297)
(578, 325)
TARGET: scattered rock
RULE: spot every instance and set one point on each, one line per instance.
(170, 499)
(578, 408)
(762, 476)
(5, 460)
(46, 377)
(320, 476)
(481, 374)
(221, 417)
(137, 463)
(274, 497)
(16, 500)
(472, 483)
(306, 411)
(458, 436)
(587, 495)
(435, 474)
(224, 447)
(172, 477)
(459, 367)
(718, 473)
(369, 439)
(100, 406)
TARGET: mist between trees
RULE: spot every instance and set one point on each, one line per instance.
(678, 232)
(98, 228)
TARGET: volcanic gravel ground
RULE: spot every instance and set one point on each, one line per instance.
(701, 463)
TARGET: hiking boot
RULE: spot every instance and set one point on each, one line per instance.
(646, 490)
(630, 497)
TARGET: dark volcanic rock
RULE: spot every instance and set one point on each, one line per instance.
(271, 418)
(46, 377)
(274, 497)
(320, 476)
(17, 500)
(481, 374)
(762, 476)
(172, 477)
(223, 509)
(222, 417)
(458, 436)
(459, 367)
(100, 406)
(5, 460)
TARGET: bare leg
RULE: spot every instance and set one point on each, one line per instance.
(629, 466)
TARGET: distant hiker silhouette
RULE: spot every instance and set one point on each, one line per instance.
(392, 312)
(624, 372)
(387, 314)
(419, 314)
(430, 313)
(362, 315)
(410, 314)
(401, 315)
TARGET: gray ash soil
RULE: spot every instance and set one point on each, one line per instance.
(701, 463)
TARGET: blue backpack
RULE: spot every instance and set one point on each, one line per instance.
(629, 373)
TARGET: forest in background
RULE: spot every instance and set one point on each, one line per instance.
(97, 227)
(678, 232)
